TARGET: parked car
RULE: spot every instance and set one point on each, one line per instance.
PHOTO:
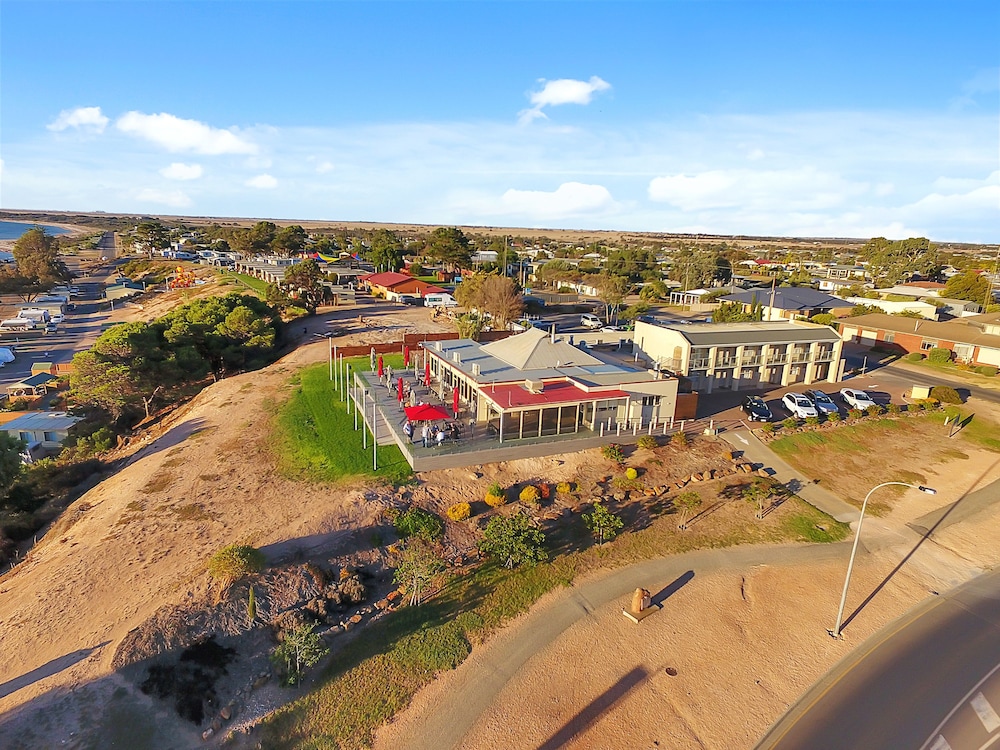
(611, 329)
(823, 403)
(756, 410)
(588, 320)
(799, 406)
(57, 318)
(856, 399)
(411, 299)
(51, 328)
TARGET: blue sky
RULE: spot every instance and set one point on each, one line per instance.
(848, 119)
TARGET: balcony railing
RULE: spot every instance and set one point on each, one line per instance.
(778, 359)
(724, 361)
(752, 360)
(699, 364)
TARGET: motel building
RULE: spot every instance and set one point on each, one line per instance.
(536, 384)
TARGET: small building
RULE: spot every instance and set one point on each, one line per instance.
(32, 387)
(740, 356)
(975, 339)
(41, 429)
(895, 307)
(123, 290)
(391, 285)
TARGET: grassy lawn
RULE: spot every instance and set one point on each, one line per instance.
(977, 430)
(850, 459)
(376, 675)
(949, 369)
(255, 285)
(315, 437)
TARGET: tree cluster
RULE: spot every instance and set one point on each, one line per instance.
(137, 364)
(890, 262)
(37, 266)
(496, 297)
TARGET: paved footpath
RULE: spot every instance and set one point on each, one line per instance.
(476, 684)
(756, 452)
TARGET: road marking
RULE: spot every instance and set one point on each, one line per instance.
(743, 440)
(975, 689)
(985, 712)
(989, 743)
(940, 744)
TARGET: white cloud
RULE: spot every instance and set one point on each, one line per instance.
(324, 167)
(83, 118)
(885, 188)
(799, 189)
(755, 155)
(179, 135)
(562, 91)
(262, 181)
(180, 171)
(173, 198)
(569, 199)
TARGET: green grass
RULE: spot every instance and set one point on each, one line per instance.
(978, 431)
(375, 676)
(314, 436)
(254, 284)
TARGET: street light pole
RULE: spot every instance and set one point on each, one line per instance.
(857, 537)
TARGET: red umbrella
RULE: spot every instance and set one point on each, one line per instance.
(427, 374)
(400, 389)
(406, 357)
(425, 413)
(454, 401)
(380, 365)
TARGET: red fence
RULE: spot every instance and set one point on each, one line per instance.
(412, 340)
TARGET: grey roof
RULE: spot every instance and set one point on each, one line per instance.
(40, 378)
(749, 334)
(540, 359)
(961, 331)
(534, 349)
(787, 298)
(46, 421)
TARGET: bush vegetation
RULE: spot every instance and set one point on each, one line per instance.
(647, 442)
(914, 357)
(529, 496)
(495, 495)
(419, 522)
(460, 512)
(613, 452)
(631, 473)
(939, 356)
(235, 561)
(946, 394)
(679, 438)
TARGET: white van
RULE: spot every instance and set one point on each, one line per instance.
(588, 320)
(440, 300)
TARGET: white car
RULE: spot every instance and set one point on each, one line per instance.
(610, 329)
(589, 320)
(798, 405)
(57, 318)
(856, 399)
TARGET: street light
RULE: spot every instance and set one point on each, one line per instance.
(857, 536)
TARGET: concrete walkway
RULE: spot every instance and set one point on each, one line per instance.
(477, 683)
(758, 453)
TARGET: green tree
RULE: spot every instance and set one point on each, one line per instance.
(969, 285)
(611, 290)
(261, 235)
(501, 300)
(513, 540)
(417, 566)
(151, 236)
(450, 246)
(686, 503)
(602, 523)
(654, 290)
(304, 283)
(386, 250)
(890, 262)
(758, 492)
(301, 648)
(289, 240)
(37, 265)
(733, 312)
(10, 461)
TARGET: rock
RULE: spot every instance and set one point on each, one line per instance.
(355, 619)
(650, 493)
(681, 484)
(207, 734)
(475, 475)
(696, 477)
(619, 496)
(260, 682)
(746, 468)
(711, 474)
(382, 604)
(226, 713)
(216, 724)
(393, 595)
(762, 473)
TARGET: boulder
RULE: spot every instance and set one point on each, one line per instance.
(355, 619)
(207, 734)
(226, 713)
(763, 473)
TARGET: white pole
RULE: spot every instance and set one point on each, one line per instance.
(619, 431)
(374, 434)
(354, 397)
(602, 429)
(346, 373)
(857, 537)
(364, 419)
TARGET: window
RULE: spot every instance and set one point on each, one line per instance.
(889, 338)
(51, 437)
(926, 345)
(650, 400)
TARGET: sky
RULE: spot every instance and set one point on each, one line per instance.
(797, 118)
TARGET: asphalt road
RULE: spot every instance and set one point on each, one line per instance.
(931, 681)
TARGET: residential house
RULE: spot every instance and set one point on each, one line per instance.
(41, 430)
(392, 285)
(894, 307)
(788, 302)
(741, 356)
(536, 384)
(974, 339)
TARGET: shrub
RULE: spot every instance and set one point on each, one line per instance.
(855, 413)
(988, 370)
(790, 424)
(648, 442)
(564, 488)
(874, 411)
(235, 561)
(812, 421)
(834, 417)
(529, 495)
(545, 490)
(631, 474)
(513, 540)
(939, 356)
(459, 512)
(894, 408)
(914, 357)
(495, 495)
(767, 428)
(918, 405)
(945, 394)
(419, 522)
(679, 439)
(613, 452)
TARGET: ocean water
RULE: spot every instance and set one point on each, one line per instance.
(11, 230)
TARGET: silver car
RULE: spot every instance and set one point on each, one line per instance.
(823, 403)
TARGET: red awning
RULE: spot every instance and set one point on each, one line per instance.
(425, 413)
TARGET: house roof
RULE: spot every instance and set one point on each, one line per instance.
(534, 349)
(749, 334)
(47, 421)
(386, 279)
(787, 298)
(40, 379)
(962, 331)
